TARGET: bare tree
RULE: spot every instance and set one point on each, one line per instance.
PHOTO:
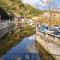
(52, 8)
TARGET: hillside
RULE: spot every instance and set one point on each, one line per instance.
(18, 8)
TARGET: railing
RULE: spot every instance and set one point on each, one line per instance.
(49, 38)
(7, 29)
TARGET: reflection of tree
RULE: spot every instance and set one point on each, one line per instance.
(12, 39)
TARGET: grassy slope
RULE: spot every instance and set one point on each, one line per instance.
(16, 6)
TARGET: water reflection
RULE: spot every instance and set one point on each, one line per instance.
(26, 50)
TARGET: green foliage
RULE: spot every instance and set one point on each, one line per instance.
(16, 6)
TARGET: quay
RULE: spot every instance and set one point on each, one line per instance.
(50, 43)
(42, 52)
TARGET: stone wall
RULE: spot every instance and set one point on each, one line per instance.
(50, 43)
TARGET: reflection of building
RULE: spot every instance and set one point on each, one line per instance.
(22, 22)
(29, 22)
(19, 22)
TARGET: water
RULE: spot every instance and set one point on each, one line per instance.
(25, 50)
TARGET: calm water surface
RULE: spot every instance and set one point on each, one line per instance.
(25, 50)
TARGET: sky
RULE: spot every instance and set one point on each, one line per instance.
(42, 4)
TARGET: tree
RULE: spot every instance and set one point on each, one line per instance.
(51, 7)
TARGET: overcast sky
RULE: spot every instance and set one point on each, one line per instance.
(42, 4)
